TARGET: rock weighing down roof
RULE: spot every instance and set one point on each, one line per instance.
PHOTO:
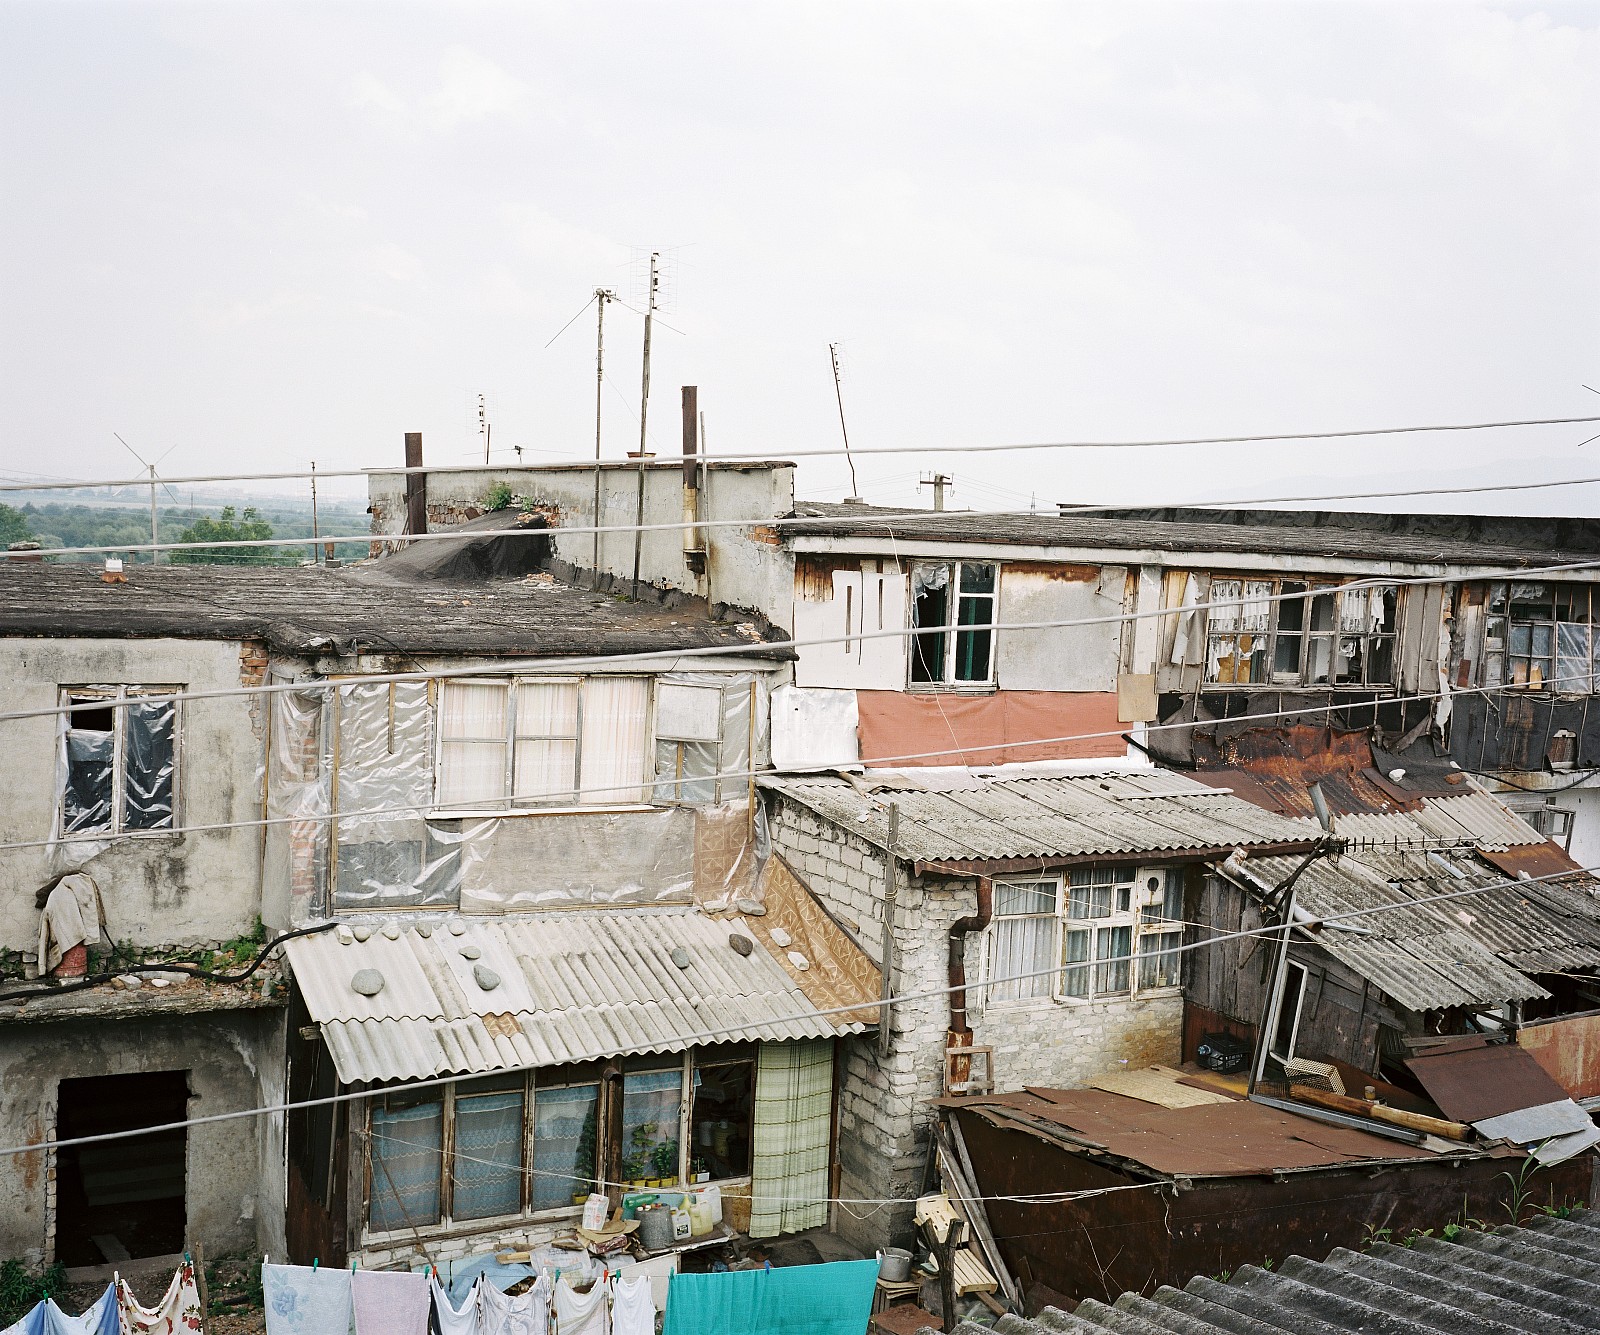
(967, 820)
(1544, 1277)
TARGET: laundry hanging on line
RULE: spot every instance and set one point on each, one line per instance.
(830, 1299)
(47, 1318)
(178, 1312)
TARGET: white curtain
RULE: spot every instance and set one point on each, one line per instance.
(616, 717)
(1020, 946)
(793, 1117)
(472, 747)
(547, 741)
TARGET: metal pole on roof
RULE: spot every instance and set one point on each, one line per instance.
(601, 296)
(1272, 1003)
(644, 414)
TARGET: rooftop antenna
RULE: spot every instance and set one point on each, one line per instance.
(644, 414)
(485, 427)
(155, 534)
(601, 296)
(854, 498)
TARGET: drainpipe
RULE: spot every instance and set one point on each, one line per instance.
(891, 891)
(960, 1035)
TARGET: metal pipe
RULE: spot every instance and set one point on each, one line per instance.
(891, 891)
(973, 922)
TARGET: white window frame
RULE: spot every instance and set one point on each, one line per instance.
(952, 629)
(1232, 595)
(507, 802)
(119, 779)
(667, 789)
(1298, 994)
(1140, 910)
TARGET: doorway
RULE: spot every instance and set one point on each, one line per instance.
(120, 1199)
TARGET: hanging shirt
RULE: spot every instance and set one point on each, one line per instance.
(304, 1300)
(48, 1319)
(580, 1313)
(178, 1312)
(526, 1314)
(633, 1309)
(445, 1318)
(390, 1302)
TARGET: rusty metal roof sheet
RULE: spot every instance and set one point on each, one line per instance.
(1474, 1084)
(572, 986)
(1232, 1139)
(977, 820)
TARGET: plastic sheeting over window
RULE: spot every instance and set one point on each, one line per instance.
(118, 764)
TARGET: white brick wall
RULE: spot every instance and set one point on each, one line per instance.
(883, 1103)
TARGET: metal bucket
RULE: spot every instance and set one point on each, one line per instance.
(894, 1265)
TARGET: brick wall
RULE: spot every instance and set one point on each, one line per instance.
(883, 1104)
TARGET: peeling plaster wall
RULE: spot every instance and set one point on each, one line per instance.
(1060, 658)
(835, 597)
(162, 890)
(234, 1186)
(746, 567)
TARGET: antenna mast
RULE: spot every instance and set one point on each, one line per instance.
(601, 296)
(644, 413)
(838, 394)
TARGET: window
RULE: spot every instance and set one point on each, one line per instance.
(1314, 635)
(688, 742)
(1287, 1029)
(723, 1100)
(565, 1140)
(1114, 934)
(543, 741)
(1539, 636)
(651, 1100)
(952, 609)
(119, 765)
(486, 1169)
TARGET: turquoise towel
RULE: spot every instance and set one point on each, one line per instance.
(832, 1299)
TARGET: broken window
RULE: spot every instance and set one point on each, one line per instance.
(1294, 633)
(1541, 636)
(953, 612)
(1114, 932)
(543, 741)
(119, 759)
(722, 1107)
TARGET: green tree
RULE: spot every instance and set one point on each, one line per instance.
(13, 526)
(228, 527)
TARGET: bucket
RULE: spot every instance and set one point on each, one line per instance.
(894, 1265)
(655, 1227)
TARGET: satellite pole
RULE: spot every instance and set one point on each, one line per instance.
(484, 427)
(838, 394)
(601, 296)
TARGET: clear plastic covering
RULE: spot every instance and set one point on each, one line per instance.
(149, 735)
(294, 859)
(118, 765)
(90, 781)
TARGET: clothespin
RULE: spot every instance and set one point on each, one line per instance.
(767, 1266)
(315, 1262)
(352, 1267)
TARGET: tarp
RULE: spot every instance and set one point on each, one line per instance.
(901, 729)
(832, 1299)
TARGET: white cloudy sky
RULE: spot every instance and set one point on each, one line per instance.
(266, 233)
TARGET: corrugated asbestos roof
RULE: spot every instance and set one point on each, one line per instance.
(572, 986)
(1480, 817)
(1543, 1277)
(976, 820)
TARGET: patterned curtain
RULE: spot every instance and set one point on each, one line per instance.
(794, 1103)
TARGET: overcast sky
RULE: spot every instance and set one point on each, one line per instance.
(264, 233)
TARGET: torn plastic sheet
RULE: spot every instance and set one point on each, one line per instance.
(294, 856)
(88, 760)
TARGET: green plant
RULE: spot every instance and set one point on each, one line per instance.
(20, 1291)
(1374, 1236)
(499, 496)
(664, 1159)
(1520, 1191)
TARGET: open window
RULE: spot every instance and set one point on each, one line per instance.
(1285, 632)
(119, 759)
(1287, 1029)
(953, 611)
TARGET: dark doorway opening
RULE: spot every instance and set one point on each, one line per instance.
(121, 1198)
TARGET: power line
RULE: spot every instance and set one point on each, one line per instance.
(727, 1031)
(875, 449)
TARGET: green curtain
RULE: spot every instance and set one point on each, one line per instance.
(793, 1117)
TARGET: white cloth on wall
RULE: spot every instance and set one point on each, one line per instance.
(580, 1313)
(633, 1309)
(73, 916)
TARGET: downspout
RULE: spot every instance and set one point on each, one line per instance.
(891, 891)
(959, 1068)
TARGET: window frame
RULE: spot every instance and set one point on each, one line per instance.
(1144, 918)
(668, 790)
(1299, 995)
(1306, 596)
(114, 695)
(951, 631)
(1499, 656)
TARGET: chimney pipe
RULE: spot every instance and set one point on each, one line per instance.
(416, 486)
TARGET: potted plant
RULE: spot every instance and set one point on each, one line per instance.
(664, 1161)
(698, 1171)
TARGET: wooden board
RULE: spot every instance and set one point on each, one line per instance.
(1160, 1085)
(970, 1275)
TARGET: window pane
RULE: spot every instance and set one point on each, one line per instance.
(472, 709)
(86, 800)
(149, 764)
(650, 1125)
(406, 1149)
(930, 607)
(545, 771)
(547, 709)
(564, 1130)
(1020, 946)
(1157, 969)
(1075, 977)
(616, 713)
(688, 713)
(719, 1124)
(1029, 897)
(1286, 657)
(1572, 666)
(1113, 944)
(686, 771)
(977, 577)
(1380, 660)
(471, 772)
(1291, 611)
(487, 1163)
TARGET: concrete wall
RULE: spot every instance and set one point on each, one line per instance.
(234, 1186)
(883, 1108)
(745, 567)
(1064, 658)
(163, 890)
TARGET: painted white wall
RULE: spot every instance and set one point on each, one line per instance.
(869, 599)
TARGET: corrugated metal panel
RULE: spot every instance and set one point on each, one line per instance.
(1484, 819)
(1069, 816)
(1479, 1083)
(572, 986)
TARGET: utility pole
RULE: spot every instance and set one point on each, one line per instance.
(601, 296)
(939, 481)
(644, 414)
(314, 531)
(155, 532)
(484, 427)
(838, 394)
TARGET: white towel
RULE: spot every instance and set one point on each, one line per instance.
(580, 1313)
(633, 1308)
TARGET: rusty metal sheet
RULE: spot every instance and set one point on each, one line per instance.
(1569, 1049)
(1486, 1082)
(1546, 859)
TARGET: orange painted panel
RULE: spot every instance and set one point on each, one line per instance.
(1002, 728)
(1569, 1050)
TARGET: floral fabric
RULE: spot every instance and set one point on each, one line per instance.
(178, 1312)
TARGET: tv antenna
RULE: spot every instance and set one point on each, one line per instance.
(838, 394)
(485, 427)
(155, 533)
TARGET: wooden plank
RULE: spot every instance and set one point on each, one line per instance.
(969, 1273)
(1159, 1085)
(979, 1217)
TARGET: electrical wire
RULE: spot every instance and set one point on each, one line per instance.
(811, 1014)
(859, 451)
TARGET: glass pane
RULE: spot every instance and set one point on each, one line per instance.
(472, 709)
(406, 1150)
(1380, 660)
(1224, 604)
(487, 1163)
(471, 772)
(1089, 901)
(650, 1125)
(545, 771)
(977, 577)
(1286, 657)
(616, 713)
(1322, 611)
(547, 709)
(564, 1130)
(1256, 613)
(1155, 968)
(86, 798)
(1113, 944)
(1572, 665)
(1543, 641)
(1291, 611)
(972, 646)
(149, 764)
(1075, 955)
(1019, 947)
(719, 1123)
(1521, 639)
(1030, 897)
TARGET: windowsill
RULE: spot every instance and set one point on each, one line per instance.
(496, 813)
(1041, 1003)
(1290, 686)
(143, 836)
(952, 688)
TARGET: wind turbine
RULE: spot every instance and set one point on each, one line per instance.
(155, 535)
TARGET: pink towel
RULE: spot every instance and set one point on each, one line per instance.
(390, 1302)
